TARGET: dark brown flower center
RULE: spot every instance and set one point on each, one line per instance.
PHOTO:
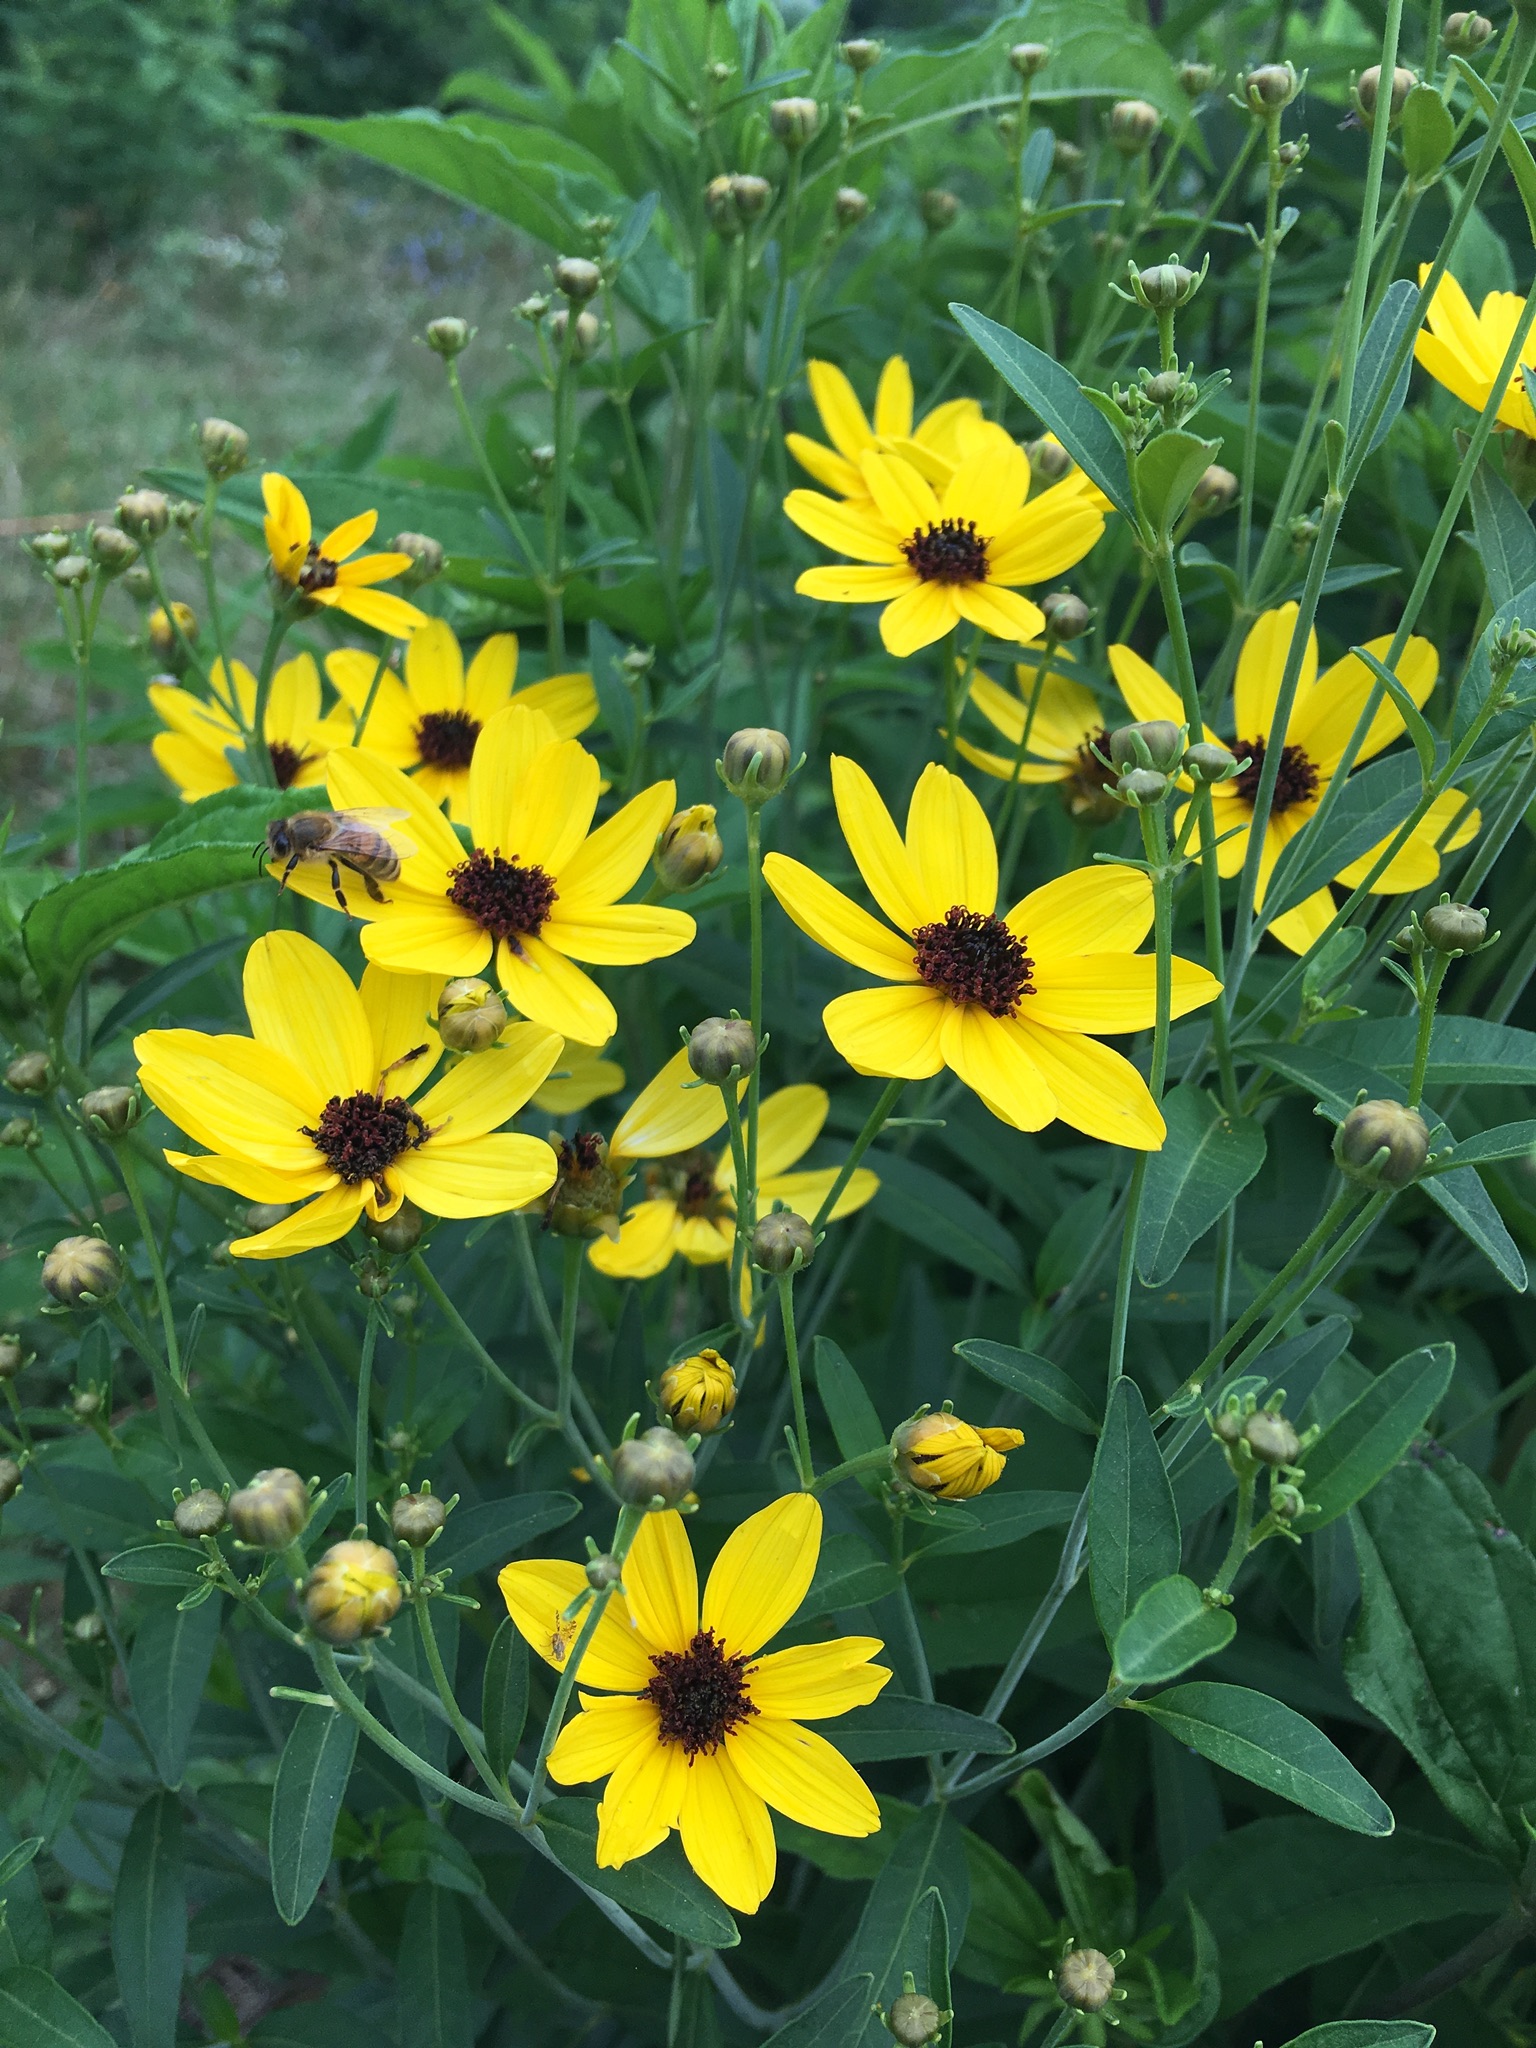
(505, 898)
(286, 762)
(702, 1693)
(951, 552)
(363, 1134)
(973, 958)
(1084, 790)
(446, 739)
(690, 1182)
(1295, 783)
(318, 572)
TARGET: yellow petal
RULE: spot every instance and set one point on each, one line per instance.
(902, 497)
(319, 1222)
(990, 482)
(551, 806)
(1049, 536)
(893, 399)
(537, 1591)
(661, 1586)
(647, 1242)
(1097, 1091)
(293, 702)
(668, 1116)
(481, 1092)
(619, 934)
(358, 780)
(554, 992)
(611, 860)
(479, 1177)
(893, 1031)
(1143, 688)
(302, 1002)
(397, 1008)
(857, 530)
(814, 1681)
(1260, 667)
(826, 915)
(194, 766)
(842, 416)
(763, 1572)
(434, 938)
(843, 584)
(248, 1178)
(608, 1728)
(705, 1240)
(380, 609)
(800, 1774)
(920, 616)
(788, 1124)
(1089, 910)
(878, 849)
(727, 1834)
(640, 1805)
(835, 471)
(577, 1079)
(504, 755)
(288, 529)
(990, 1057)
(950, 843)
(1005, 768)
(1300, 928)
(1327, 714)
(1002, 613)
(347, 538)
(805, 1192)
(569, 702)
(1111, 992)
(434, 668)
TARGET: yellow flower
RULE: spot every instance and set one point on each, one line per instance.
(1068, 725)
(943, 1455)
(934, 560)
(698, 1392)
(692, 1726)
(1325, 712)
(931, 446)
(690, 1194)
(537, 891)
(195, 751)
(429, 723)
(1463, 350)
(321, 571)
(1008, 1002)
(316, 1103)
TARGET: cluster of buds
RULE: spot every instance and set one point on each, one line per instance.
(688, 850)
(914, 2019)
(1146, 759)
(697, 1394)
(1254, 1438)
(1366, 95)
(756, 763)
(733, 202)
(1381, 1144)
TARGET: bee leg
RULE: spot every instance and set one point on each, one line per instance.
(373, 888)
(340, 893)
(287, 871)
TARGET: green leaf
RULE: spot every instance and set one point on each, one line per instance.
(1258, 1738)
(1054, 395)
(1506, 538)
(1516, 149)
(1133, 1525)
(409, 1715)
(1424, 743)
(26, 1934)
(945, 1220)
(167, 1669)
(37, 2013)
(998, 1519)
(1395, 319)
(660, 1886)
(1461, 1194)
(1366, 2034)
(1464, 1052)
(1166, 472)
(149, 1922)
(1426, 135)
(848, 1574)
(834, 2020)
(494, 1531)
(1504, 1141)
(1010, 1924)
(1444, 1651)
(1375, 801)
(1285, 1894)
(16, 1860)
(432, 1980)
(855, 1425)
(892, 1934)
(1374, 1432)
(1035, 1378)
(504, 1696)
(419, 1851)
(1169, 1629)
(894, 1726)
(1206, 1161)
(157, 1564)
(312, 1780)
(1098, 1895)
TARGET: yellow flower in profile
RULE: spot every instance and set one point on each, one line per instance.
(320, 570)
(1463, 350)
(1068, 724)
(538, 889)
(315, 1107)
(931, 445)
(428, 723)
(691, 1724)
(934, 560)
(202, 735)
(1008, 1003)
(1325, 712)
(689, 1204)
(941, 1454)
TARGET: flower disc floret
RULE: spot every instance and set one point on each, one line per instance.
(973, 958)
(950, 552)
(1296, 780)
(509, 900)
(363, 1135)
(701, 1693)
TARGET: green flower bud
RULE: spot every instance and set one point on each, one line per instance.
(1067, 159)
(262, 1215)
(1383, 1144)
(373, 1279)
(850, 205)
(1465, 34)
(1143, 787)
(914, 2020)
(1195, 79)
(1066, 616)
(750, 193)
(400, 1233)
(1208, 762)
(794, 122)
(1454, 927)
(782, 1243)
(48, 547)
(1269, 87)
(202, 1513)
(938, 209)
(721, 1045)
(588, 333)
(143, 515)
(578, 277)
(655, 1466)
(1163, 287)
(20, 1134)
(755, 763)
(1029, 59)
(113, 551)
(1049, 462)
(1155, 743)
(1271, 1438)
(10, 1480)
(1085, 1979)
(272, 1511)
(354, 1591)
(862, 53)
(110, 1111)
(70, 572)
(82, 1269)
(1367, 91)
(604, 1573)
(30, 1073)
(416, 1518)
(224, 448)
(720, 206)
(426, 558)
(1132, 126)
(1216, 489)
(448, 337)
(12, 1357)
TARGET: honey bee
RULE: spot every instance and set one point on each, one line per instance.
(363, 841)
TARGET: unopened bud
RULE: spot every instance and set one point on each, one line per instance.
(1465, 34)
(1166, 387)
(1132, 125)
(1215, 489)
(1066, 616)
(113, 551)
(1143, 787)
(604, 1572)
(719, 72)
(448, 337)
(1085, 1979)
(794, 122)
(471, 1016)
(88, 1629)
(263, 1215)
(426, 558)
(1303, 532)
(720, 205)
(1368, 91)
(937, 208)
(30, 1073)
(82, 1269)
(48, 547)
(71, 571)
(688, 849)
(12, 1357)
(755, 763)
(1067, 159)
(862, 53)
(751, 194)
(110, 1111)
(1269, 87)
(654, 1466)
(721, 1046)
(169, 646)
(782, 1243)
(697, 1393)
(1454, 927)
(578, 277)
(1285, 1500)
(1290, 156)
(416, 1518)
(1195, 79)
(224, 448)
(1049, 462)
(272, 1511)
(1155, 743)
(138, 583)
(914, 2020)
(1511, 645)
(850, 205)
(1271, 1438)
(588, 332)
(20, 1134)
(373, 1279)
(1029, 59)
(584, 1201)
(353, 1592)
(1164, 286)
(201, 1514)
(1208, 761)
(1228, 1424)
(85, 1405)
(532, 309)
(10, 1480)
(1384, 1144)
(397, 1234)
(143, 515)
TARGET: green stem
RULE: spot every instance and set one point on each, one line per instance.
(360, 723)
(492, 482)
(528, 1266)
(168, 1390)
(575, 1258)
(130, 1175)
(473, 1747)
(785, 1282)
(1242, 1532)
(1429, 995)
(917, 1649)
(1267, 250)
(259, 753)
(623, 1536)
(874, 1123)
(746, 1218)
(746, 1196)
(867, 1461)
(363, 1438)
(471, 1342)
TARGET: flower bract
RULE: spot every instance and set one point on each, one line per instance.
(692, 1725)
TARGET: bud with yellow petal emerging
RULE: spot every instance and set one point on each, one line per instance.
(688, 849)
(940, 1454)
(354, 1591)
(470, 1015)
(270, 1512)
(167, 644)
(697, 1393)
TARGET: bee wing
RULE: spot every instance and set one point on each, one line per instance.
(379, 818)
